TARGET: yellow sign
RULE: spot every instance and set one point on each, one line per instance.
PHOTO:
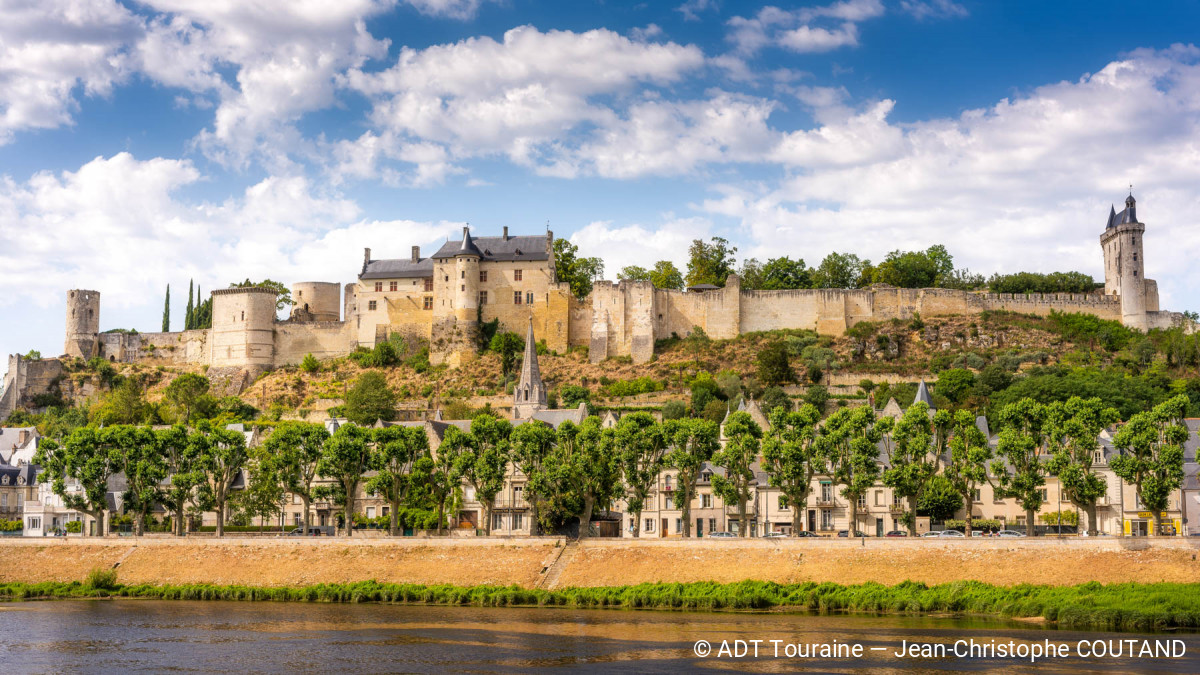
(1150, 514)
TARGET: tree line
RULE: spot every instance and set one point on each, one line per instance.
(577, 470)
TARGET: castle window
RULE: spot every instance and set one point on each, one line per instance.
(482, 275)
(463, 288)
(378, 286)
(394, 286)
(1135, 274)
(462, 274)
(447, 278)
(483, 297)
(428, 303)
(371, 305)
(529, 298)
(517, 297)
(516, 275)
(243, 316)
(429, 285)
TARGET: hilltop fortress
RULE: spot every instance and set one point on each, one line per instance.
(443, 298)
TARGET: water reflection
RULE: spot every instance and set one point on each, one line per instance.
(108, 636)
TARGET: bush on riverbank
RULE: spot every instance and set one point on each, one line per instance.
(1127, 606)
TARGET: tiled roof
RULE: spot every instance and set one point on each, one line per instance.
(498, 248)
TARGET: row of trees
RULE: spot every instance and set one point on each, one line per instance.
(713, 261)
(577, 469)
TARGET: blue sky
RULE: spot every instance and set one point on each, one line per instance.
(147, 143)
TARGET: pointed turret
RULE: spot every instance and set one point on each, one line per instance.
(923, 395)
(1112, 217)
(530, 393)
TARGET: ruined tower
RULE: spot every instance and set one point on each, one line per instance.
(243, 330)
(1124, 274)
(529, 396)
(83, 323)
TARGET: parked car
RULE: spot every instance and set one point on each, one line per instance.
(952, 534)
(312, 532)
(806, 533)
(846, 533)
(775, 535)
(722, 535)
(896, 533)
(1010, 534)
(932, 533)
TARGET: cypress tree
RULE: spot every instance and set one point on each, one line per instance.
(166, 327)
(188, 319)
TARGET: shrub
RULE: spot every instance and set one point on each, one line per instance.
(640, 385)
(310, 364)
(571, 395)
(773, 365)
(101, 579)
(674, 410)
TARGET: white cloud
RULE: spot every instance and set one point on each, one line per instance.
(119, 225)
(933, 9)
(636, 244)
(51, 48)
(692, 8)
(525, 97)
(1024, 184)
(454, 9)
(795, 30)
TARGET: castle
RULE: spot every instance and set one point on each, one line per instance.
(443, 298)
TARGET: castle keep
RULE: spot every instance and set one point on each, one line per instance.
(443, 298)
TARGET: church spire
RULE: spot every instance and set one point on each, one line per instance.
(529, 396)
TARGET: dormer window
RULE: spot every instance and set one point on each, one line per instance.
(5, 480)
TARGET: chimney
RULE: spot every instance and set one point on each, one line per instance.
(416, 253)
(23, 438)
(366, 260)
(466, 232)
(549, 241)
(505, 233)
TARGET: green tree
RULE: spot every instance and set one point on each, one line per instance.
(509, 346)
(915, 269)
(294, 450)
(483, 461)
(124, 405)
(444, 480)
(1022, 438)
(775, 275)
(710, 263)
(264, 495)
(166, 319)
(791, 457)
(674, 410)
(585, 465)
(690, 444)
(531, 445)
(955, 384)
(1151, 445)
(187, 316)
(185, 393)
(666, 275)
(742, 441)
(633, 273)
(86, 460)
(347, 457)
(397, 449)
(642, 447)
(939, 500)
(370, 399)
(221, 454)
(775, 397)
(575, 271)
(283, 297)
(817, 396)
(182, 466)
(848, 449)
(773, 365)
(913, 450)
(1073, 428)
(970, 454)
(840, 270)
(571, 395)
(144, 465)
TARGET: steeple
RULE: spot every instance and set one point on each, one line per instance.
(923, 395)
(1112, 217)
(529, 396)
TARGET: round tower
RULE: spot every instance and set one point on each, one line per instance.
(83, 323)
(319, 300)
(1124, 264)
(243, 329)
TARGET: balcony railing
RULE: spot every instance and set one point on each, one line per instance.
(896, 508)
(510, 505)
(824, 503)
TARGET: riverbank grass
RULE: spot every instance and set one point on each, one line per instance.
(1128, 606)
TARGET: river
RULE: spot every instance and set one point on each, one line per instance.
(157, 636)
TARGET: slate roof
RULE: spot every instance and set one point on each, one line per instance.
(923, 395)
(28, 472)
(1128, 215)
(498, 248)
(403, 268)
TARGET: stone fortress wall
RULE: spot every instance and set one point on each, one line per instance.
(442, 300)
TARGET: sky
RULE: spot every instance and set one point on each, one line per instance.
(147, 143)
